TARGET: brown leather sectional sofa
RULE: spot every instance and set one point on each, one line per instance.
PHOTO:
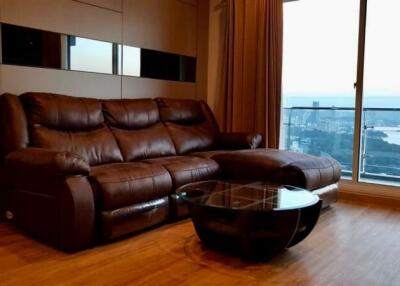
(76, 171)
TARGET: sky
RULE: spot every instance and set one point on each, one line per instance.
(320, 48)
(96, 56)
(91, 55)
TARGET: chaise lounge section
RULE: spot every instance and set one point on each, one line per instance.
(78, 171)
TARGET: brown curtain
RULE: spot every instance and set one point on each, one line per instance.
(251, 99)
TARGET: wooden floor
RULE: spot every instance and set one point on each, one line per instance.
(353, 244)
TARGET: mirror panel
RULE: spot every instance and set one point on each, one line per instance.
(90, 55)
(131, 61)
(37, 48)
(160, 65)
(30, 47)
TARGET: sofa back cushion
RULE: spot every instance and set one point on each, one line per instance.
(73, 124)
(190, 123)
(13, 125)
(136, 125)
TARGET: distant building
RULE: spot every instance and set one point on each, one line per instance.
(314, 116)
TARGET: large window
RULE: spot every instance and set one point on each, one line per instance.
(322, 54)
(380, 133)
(320, 67)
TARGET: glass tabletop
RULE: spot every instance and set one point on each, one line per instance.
(247, 195)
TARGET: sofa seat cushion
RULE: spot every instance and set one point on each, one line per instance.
(290, 168)
(125, 184)
(208, 154)
(187, 169)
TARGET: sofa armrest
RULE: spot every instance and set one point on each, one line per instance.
(47, 162)
(239, 140)
(51, 197)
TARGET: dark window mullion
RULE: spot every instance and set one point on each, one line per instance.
(359, 90)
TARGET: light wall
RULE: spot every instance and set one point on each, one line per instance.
(177, 26)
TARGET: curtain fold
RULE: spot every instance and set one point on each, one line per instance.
(251, 98)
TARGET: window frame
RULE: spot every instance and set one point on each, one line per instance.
(353, 184)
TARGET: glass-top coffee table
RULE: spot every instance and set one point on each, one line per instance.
(254, 219)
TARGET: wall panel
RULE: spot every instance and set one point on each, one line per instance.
(133, 87)
(192, 2)
(216, 42)
(17, 80)
(202, 50)
(63, 16)
(177, 26)
(2, 90)
(115, 5)
(165, 25)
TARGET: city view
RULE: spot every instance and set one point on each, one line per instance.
(319, 127)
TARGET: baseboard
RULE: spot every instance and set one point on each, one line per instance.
(369, 199)
(370, 193)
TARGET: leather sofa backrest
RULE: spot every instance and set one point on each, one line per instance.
(106, 131)
(73, 124)
(190, 123)
(13, 125)
(136, 125)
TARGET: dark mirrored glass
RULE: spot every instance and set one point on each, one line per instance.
(160, 65)
(37, 48)
(31, 47)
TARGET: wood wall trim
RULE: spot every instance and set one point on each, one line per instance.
(385, 201)
(372, 193)
(377, 190)
(111, 5)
